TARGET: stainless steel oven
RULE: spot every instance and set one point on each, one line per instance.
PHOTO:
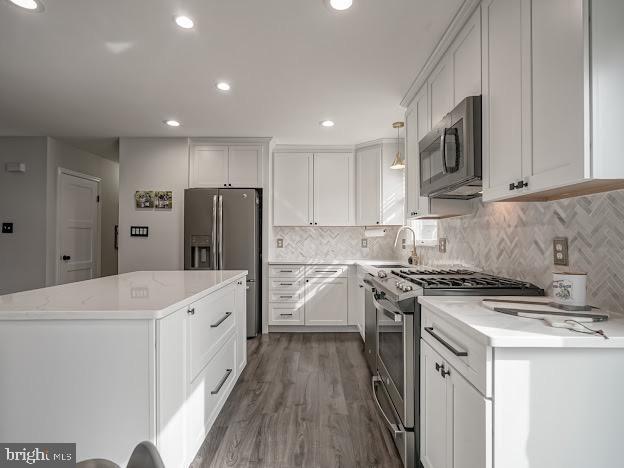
(394, 386)
(450, 155)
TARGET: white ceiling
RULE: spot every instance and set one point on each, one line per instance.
(93, 68)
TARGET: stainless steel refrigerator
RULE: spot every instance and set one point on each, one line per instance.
(222, 231)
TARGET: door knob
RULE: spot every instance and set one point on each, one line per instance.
(66, 258)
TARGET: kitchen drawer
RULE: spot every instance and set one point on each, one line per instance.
(208, 392)
(286, 296)
(286, 271)
(327, 271)
(286, 284)
(286, 314)
(472, 359)
(209, 321)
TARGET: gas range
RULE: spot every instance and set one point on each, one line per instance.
(401, 284)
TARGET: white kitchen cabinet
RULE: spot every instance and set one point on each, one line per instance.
(225, 165)
(548, 119)
(456, 418)
(245, 166)
(368, 183)
(506, 90)
(313, 189)
(380, 190)
(333, 189)
(209, 166)
(326, 301)
(440, 86)
(417, 124)
(466, 54)
(293, 189)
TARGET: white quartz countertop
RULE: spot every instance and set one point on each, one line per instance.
(136, 295)
(500, 330)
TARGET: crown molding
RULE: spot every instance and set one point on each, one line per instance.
(457, 23)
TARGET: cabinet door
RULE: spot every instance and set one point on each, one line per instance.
(392, 185)
(466, 53)
(209, 166)
(506, 95)
(441, 90)
(471, 424)
(368, 183)
(326, 301)
(244, 166)
(292, 189)
(333, 189)
(240, 307)
(434, 428)
(417, 124)
(558, 107)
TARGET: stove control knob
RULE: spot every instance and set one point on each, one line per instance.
(382, 273)
(406, 288)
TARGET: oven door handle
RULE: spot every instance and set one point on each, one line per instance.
(397, 429)
(389, 309)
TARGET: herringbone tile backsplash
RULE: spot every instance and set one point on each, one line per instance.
(515, 240)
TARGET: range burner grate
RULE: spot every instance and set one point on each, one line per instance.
(472, 282)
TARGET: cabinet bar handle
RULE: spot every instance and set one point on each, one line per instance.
(221, 320)
(447, 345)
(286, 315)
(221, 382)
(286, 271)
(326, 271)
(285, 297)
(286, 284)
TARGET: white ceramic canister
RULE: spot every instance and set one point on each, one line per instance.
(570, 289)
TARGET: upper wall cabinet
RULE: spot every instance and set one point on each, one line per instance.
(379, 189)
(552, 98)
(225, 166)
(313, 189)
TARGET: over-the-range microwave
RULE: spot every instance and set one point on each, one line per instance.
(450, 155)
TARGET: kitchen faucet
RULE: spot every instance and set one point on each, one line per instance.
(413, 258)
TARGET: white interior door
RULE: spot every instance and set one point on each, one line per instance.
(77, 227)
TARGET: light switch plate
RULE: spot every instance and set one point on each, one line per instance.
(139, 231)
(280, 243)
(560, 251)
(442, 245)
(365, 243)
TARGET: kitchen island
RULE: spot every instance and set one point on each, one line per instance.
(110, 362)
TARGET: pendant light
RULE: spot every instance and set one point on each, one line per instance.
(398, 162)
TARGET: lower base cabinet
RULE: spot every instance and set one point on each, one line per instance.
(326, 301)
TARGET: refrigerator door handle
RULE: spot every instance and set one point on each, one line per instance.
(214, 232)
(220, 232)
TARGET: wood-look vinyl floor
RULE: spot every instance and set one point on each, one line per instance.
(304, 400)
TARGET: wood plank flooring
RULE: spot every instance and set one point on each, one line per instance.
(304, 400)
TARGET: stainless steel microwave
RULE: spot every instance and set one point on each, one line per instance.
(450, 155)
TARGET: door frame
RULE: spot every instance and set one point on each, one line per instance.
(98, 228)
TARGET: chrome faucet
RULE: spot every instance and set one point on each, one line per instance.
(413, 258)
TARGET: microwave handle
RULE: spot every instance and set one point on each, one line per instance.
(443, 150)
(455, 165)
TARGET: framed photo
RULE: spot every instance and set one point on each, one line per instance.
(144, 199)
(164, 200)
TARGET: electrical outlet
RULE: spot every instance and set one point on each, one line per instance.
(403, 243)
(442, 245)
(560, 251)
(7, 228)
(365, 243)
(280, 243)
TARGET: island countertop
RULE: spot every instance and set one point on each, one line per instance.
(137, 295)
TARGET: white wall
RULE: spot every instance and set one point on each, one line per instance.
(62, 155)
(152, 164)
(22, 201)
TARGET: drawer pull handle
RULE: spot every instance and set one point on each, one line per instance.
(286, 297)
(221, 320)
(286, 284)
(286, 271)
(326, 271)
(447, 345)
(286, 315)
(221, 382)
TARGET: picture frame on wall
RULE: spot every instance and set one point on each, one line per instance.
(164, 200)
(144, 199)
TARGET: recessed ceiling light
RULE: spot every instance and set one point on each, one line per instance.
(172, 123)
(340, 4)
(223, 86)
(184, 22)
(327, 123)
(32, 5)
